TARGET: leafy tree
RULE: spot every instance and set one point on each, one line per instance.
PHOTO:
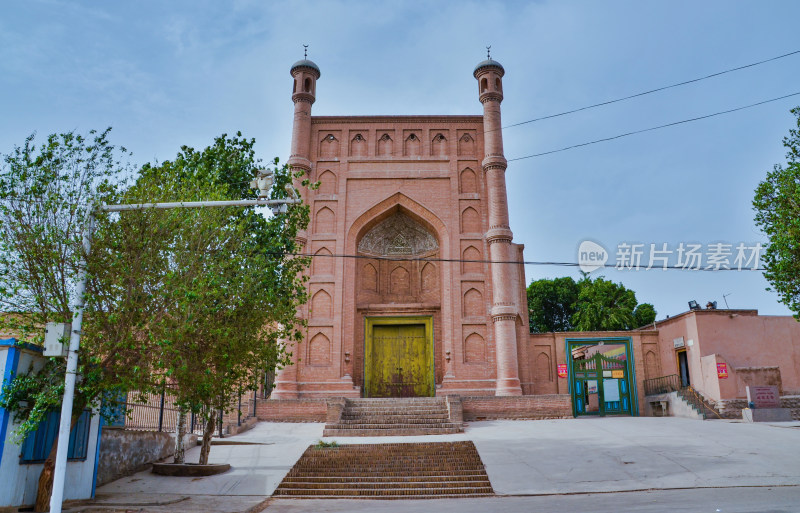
(45, 194)
(777, 206)
(196, 298)
(562, 304)
(551, 304)
(604, 306)
(644, 314)
(224, 284)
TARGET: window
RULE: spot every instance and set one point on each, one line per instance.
(38, 444)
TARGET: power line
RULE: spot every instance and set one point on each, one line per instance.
(508, 262)
(605, 139)
(651, 91)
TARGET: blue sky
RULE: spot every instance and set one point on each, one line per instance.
(165, 74)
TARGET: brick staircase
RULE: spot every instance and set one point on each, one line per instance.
(396, 416)
(699, 403)
(388, 471)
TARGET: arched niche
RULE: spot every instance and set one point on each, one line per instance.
(327, 182)
(473, 303)
(395, 236)
(474, 349)
(319, 350)
(470, 261)
(322, 262)
(469, 181)
(470, 221)
(321, 305)
(325, 221)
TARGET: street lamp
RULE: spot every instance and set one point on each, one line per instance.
(262, 182)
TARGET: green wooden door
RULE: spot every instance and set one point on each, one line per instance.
(398, 361)
(600, 386)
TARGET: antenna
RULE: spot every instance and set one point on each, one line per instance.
(726, 301)
(305, 51)
(488, 52)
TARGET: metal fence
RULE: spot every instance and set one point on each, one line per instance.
(158, 412)
(662, 385)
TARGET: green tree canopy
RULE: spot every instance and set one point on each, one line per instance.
(777, 206)
(551, 304)
(562, 304)
(197, 298)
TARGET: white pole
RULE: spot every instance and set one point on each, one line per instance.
(60, 470)
(196, 204)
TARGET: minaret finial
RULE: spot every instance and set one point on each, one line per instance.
(488, 52)
(305, 51)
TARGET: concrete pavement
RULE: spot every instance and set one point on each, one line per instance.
(521, 457)
(702, 500)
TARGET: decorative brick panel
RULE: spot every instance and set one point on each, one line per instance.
(555, 406)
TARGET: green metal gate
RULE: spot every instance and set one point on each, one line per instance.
(600, 386)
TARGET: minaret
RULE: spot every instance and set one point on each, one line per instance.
(305, 74)
(489, 74)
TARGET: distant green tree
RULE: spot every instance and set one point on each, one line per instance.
(777, 206)
(551, 304)
(562, 304)
(604, 306)
(644, 314)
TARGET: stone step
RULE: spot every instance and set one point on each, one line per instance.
(357, 465)
(388, 411)
(397, 424)
(409, 400)
(395, 420)
(379, 493)
(388, 471)
(391, 432)
(388, 483)
(356, 477)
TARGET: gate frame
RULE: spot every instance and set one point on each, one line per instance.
(631, 367)
(371, 322)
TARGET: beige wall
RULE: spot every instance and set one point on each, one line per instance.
(755, 348)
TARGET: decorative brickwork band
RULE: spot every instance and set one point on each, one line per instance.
(492, 162)
(303, 97)
(504, 317)
(299, 162)
(491, 97)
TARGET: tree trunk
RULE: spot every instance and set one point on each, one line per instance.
(45, 487)
(207, 434)
(180, 433)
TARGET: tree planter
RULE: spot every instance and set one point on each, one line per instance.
(189, 469)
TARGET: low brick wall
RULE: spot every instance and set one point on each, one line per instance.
(124, 452)
(555, 406)
(292, 410)
(732, 408)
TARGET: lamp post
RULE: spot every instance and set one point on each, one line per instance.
(263, 182)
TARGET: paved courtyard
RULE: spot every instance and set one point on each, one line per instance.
(528, 462)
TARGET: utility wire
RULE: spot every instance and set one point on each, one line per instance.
(509, 262)
(605, 139)
(651, 91)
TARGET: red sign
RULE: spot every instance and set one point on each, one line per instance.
(562, 370)
(722, 370)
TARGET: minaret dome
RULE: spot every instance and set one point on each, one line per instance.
(489, 74)
(305, 74)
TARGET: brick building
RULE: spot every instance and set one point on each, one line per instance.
(417, 288)
(394, 190)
